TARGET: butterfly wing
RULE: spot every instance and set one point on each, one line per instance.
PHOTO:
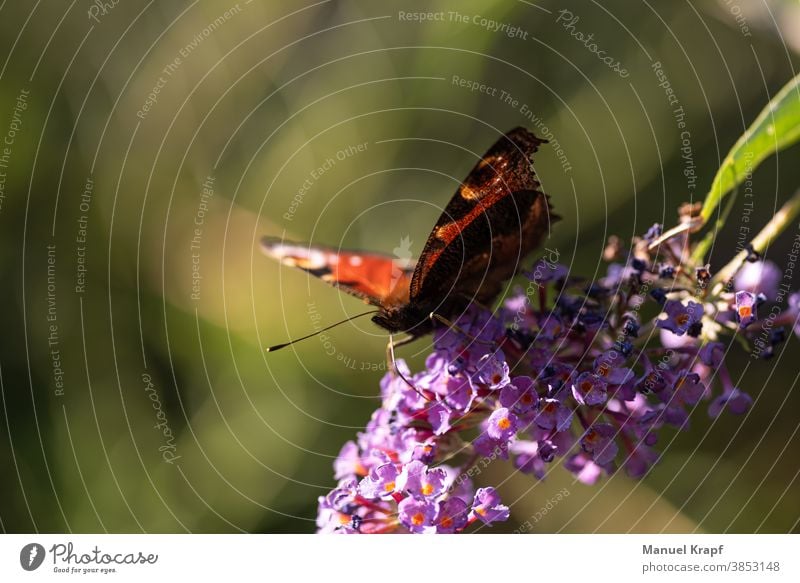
(381, 280)
(496, 217)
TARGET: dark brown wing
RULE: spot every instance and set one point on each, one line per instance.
(381, 280)
(496, 217)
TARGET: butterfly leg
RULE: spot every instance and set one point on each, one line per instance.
(391, 362)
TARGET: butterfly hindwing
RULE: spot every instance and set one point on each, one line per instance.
(495, 218)
(376, 278)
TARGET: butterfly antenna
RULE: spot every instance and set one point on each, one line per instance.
(285, 344)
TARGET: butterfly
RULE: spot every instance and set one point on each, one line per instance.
(496, 217)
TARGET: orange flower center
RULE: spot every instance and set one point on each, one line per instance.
(504, 423)
(682, 319)
(418, 519)
(745, 311)
(427, 489)
(389, 486)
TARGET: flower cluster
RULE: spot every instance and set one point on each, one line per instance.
(587, 372)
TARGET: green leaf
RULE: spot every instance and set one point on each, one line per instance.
(776, 127)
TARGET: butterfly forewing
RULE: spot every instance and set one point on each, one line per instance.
(495, 218)
(379, 279)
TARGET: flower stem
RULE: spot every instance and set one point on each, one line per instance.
(762, 241)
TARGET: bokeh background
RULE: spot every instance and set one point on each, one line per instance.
(151, 406)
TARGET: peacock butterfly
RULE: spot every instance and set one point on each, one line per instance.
(496, 217)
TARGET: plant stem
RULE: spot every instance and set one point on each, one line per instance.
(704, 245)
(680, 228)
(762, 241)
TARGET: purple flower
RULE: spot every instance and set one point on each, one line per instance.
(552, 328)
(518, 302)
(759, 277)
(794, 312)
(608, 367)
(639, 461)
(711, 354)
(553, 414)
(679, 317)
(745, 308)
(502, 425)
(616, 275)
(487, 507)
(336, 510)
(424, 452)
(527, 459)
(735, 400)
(598, 441)
(653, 380)
(417, 515)
(348, 462)
(547, 450)
(395, 391)
(688, 388)
(555, 374)
(420, 481)
(381, 482)
(452, 515)
(341, 496)
(589, 389)
(491, 448)
(439, 418)
(573, 345)
(653, 232)
(675, 415)
(519, 395)
(459, 392)
(670, 340)
(493, 371)
(585, 470)
(545, 271)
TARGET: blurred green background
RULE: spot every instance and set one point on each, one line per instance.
(171, 418)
